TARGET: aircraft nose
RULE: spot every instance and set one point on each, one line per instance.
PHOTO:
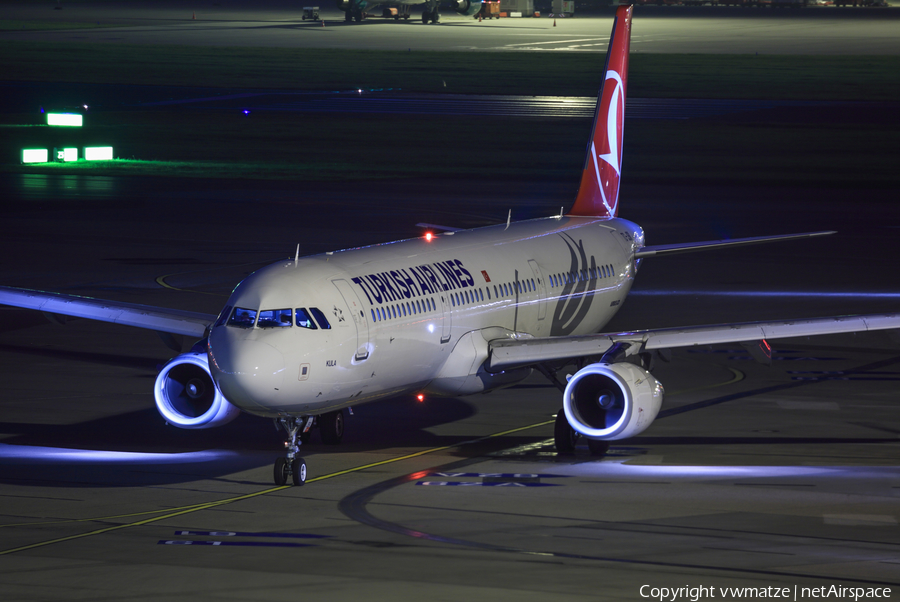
(249, 373)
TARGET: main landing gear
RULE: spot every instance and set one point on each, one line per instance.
(565, 438)
(299, 429)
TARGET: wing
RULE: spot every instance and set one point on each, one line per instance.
(174, 321)
(509, 353)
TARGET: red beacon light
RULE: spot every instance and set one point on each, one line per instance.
(429, 236)
(420, 397)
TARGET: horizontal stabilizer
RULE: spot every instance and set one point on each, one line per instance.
(174, 321)
(657, 250)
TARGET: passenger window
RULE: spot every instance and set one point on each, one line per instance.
(274, 318)
(303, 319)
(320, 318)
(242, 317)
(223, 315)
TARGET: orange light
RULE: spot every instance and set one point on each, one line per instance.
(420, 397)
(429, 236)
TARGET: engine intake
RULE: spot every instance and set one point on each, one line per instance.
(187, 397)
(612, 401)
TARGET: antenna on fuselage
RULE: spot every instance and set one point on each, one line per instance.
(297, 255)
(561, 211)
(508, 219)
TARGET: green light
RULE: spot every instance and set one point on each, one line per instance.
(66, 154)
(34, 155)
(69, 119)
(98, 153)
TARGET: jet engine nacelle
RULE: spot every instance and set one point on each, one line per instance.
(467, 7)
(612, 401)
(187, 397)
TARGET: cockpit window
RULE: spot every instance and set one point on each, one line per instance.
(242, 317)
(274, 318)
(320, 317)
(304, 320)
(226, 311)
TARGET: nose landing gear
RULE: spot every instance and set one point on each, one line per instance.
(292, 466)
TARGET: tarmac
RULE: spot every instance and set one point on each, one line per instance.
(784, 476)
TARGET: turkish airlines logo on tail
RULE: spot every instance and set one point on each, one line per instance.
(607, 165)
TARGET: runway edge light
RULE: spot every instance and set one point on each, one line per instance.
(67, 119)
(98, 153)
(35, 155)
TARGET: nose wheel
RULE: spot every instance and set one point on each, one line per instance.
(292, 467)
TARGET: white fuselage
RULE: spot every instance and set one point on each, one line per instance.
(415, 315)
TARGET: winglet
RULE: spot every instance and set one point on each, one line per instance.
(598, 194)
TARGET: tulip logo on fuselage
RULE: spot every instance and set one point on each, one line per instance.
(578, 290)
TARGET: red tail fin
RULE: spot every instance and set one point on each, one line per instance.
(599, 191)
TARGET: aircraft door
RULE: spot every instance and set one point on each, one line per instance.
(541, 290)
(447, 320)
(359, 317)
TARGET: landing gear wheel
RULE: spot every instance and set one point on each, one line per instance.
(282, 470)
(332, 427)
(564, 435)
(298, 471)
(348, 17)
(436, 17)
(598, 448)
(426, 17)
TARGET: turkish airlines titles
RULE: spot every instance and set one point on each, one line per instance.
(426, 279)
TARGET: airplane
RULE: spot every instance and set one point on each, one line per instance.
(356, 10)
(451, 313)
